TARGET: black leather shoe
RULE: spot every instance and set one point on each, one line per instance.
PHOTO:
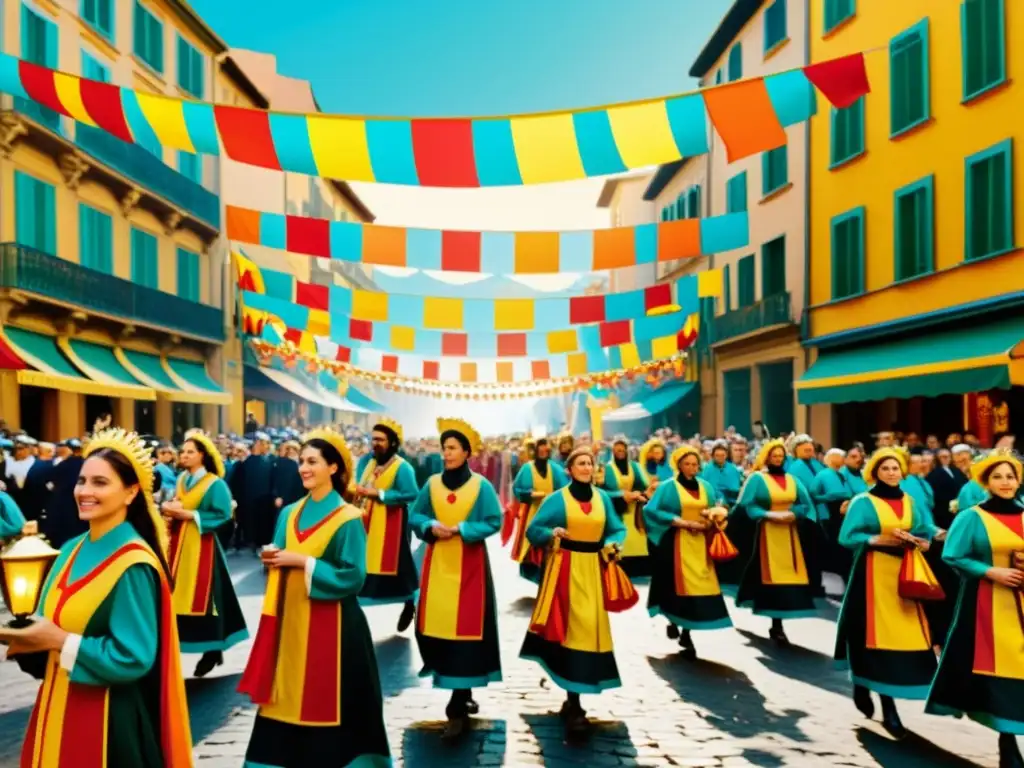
(672, 631)
(862, 700)
(472, 707)
(408, 613)
(689, 652)
(1009, 752)
(453, 729)
(778, 634)
(891, 719)
(209, 661)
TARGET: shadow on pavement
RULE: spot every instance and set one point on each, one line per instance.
(762, 759)
(211, 700)
(395, 662)
(484, 744)
(251, 584)
(801, 664)
(522, 606)
(734, 705)
(911, 752)
(608, 743)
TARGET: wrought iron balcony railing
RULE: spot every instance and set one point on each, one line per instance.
(772, 310)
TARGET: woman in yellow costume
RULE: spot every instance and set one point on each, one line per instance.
(654, 465)
(106, 648)
(457, 626)
(775, 582)
(570, 635)
(313, 671)
(535, 481)
(625, 484)
(684, 586)
(210, 619)
(981, 673)
(882, 636)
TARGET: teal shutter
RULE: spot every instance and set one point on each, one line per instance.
(148, 35)
(718, 76)
(910, 100)
(848, 254)
(745, 268)
(188, 274)
(95, 239)
(99, 13)
(190, 166)
(680, 207)
(838, 11)
(727, 288)
(847, 132)
(983, 40)
(24, 209)
(914, 229)
(736, 62)
(777, 409)
(774, 25)
(145, 270)
(737, 399)
(39, 45)
(989, 201)
(736, 193)
(774, 169)
(773, 267)
(190, 68)
(93, 69)
(35, 204)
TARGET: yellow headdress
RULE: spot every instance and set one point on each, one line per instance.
(337, 441)
(133, 448)
(646, 449)
(683, 451)
(563, 437)
(464, 429)
(881, 455)
(197, 435)
(765, 452)
(581, 450)
(987, 463)
(394, 426)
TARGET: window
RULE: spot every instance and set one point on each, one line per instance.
(664, 214)
(909, 97)
(95, 239)
(35, 213)
(191, 166)
(848, 254)
(93, 69)
(737, 399)
(693, 202)
(914, 231)
(39, 46)
(774, 169)
(100, 14)
(145, 270)
(983, 40)
(718, 76)
(727, 287)
(149, 37)
(777, 407)
(680, 206)
(989, 201)
(188, 274)
(745, 282)
(736, 62)
(847, 133)
(774, 25)
(838, 11)
(190, 68)
(736, 193)
(773, 267)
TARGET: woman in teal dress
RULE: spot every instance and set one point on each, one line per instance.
(724, 476)
(776, 581)
(623, 481)
(853, 470)
(537, 479)
(881, 636)
(106, 647)
(684, 585)
(981, 673)
(653, 460)
(832, 491)
(210, 619)
(569, 634)
(12, 522)
(313, 670)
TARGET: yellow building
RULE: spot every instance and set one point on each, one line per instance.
(916, 287)
(112, 288)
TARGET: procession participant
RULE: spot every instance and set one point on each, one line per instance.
(210, 619)
(853, 470)
(536, 480)
(882, 636)
(566, 442)
(833, 493)
(724, 476)
(624, 483)
(915, 484)
(251, 488)
(12, 522)
(107, 645)
(164, 467)
(981, 673)
(973, 493)
(313, 670)
(387, 485)
(775, 582)
(569, 633)
(684, 585)
(653, 460)
(738, 450)
(26, 482)
(457, 625)
(285, 483)
(803, 465)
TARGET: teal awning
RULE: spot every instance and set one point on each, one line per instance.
(196, 381)
(151, 367)
(103, 360)
(362, 400)
(47, 358)
(651, 404)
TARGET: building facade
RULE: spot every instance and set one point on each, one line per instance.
(916, 293)
(623, 196)
(112, 296)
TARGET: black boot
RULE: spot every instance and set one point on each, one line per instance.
(408, 613)
(891, 718)
(689, 652)
(1009, 752)
(862, 700)
(778, 634)
(574, 717)
(457, 713)
(672, 631)
(207, 663)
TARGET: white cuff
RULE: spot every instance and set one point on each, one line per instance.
(69, 652)
(380, 496)
(310, 567)
(197, 520)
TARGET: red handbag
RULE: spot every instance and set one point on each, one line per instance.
(619, 592)
(917, 580)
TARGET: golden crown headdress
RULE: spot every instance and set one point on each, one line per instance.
(682, 452)
(463, 428)
(579, 450)
(646, 449)
(992, 459)
(337, 441)
(134, 449)
(565, 436)
(881, 455)
(394, 426)
(765, 452)
(198, 436)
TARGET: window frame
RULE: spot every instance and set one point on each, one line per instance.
(729, 184)
(90, 56)
(735, 54)
(928, 185)
(195, 259)
(108, 34)
(838, 22)
(922, 28)
(838, 162)
(968, 95)
(859, 213)
(769, 44)
(139, 54)
(765, 272)
(108, 256)
(766, 158)
(1004, 147)
(195, 58)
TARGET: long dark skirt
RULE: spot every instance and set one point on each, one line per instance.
(223, 626)
(689, 612)
(777, 601)
(741, 533)
(940, 612)
(380, 589)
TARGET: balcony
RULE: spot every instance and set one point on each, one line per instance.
(63, 282)
(775, 310)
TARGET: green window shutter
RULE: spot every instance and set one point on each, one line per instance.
(983, 42)
(774, 169)
(745, 269)
(144, 259)
(773, 267)
(989, 201)
(693, 202)
(847, 132)
(848, 254)
(774, 24)
(190, 166)
(736, 62)
(736, 193)
(727, 288)
(92, 69)
(95, 239)
(35, 204)
(99, 14)
(914, 230)
(737, 399)
(777, 408)
(718, 76)
(39, 45)
(188, 274)
(838, 11)
(910, 100)
(148, 37)
(680, 205)
(190, 68)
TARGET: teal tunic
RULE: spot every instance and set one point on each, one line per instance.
(922, 494)
(11, 519)
(829, 489)
(611, 482)
(726, 480)
(636, 566)
(522, 488)
(971, 495)
(805, 471)
(855, 479)
(657, 471)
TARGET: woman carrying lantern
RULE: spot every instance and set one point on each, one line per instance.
(981, 673)
(882, 633)
(684, 585)
(313, 670)
(106, 648)
(569, 634)
(210, 619)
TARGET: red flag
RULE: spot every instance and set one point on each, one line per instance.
(842, 81)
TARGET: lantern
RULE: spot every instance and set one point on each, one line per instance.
(23, 570)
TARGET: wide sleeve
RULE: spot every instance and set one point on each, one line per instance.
(128, 650)
(639, 478)
(749, 499)
(522, 487)
(860, 524)
(923, 524)
(11, 518)
(215, 508)
(611, 484)
(550, 515)
(404, 490)
(421, 514)
(660, 511)
(614, 528)
(966, 547)
(971, 495)
(804, 506)
(485, 518)
(341, 570)
(715, 495)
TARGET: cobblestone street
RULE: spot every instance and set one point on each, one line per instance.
(745, 703)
